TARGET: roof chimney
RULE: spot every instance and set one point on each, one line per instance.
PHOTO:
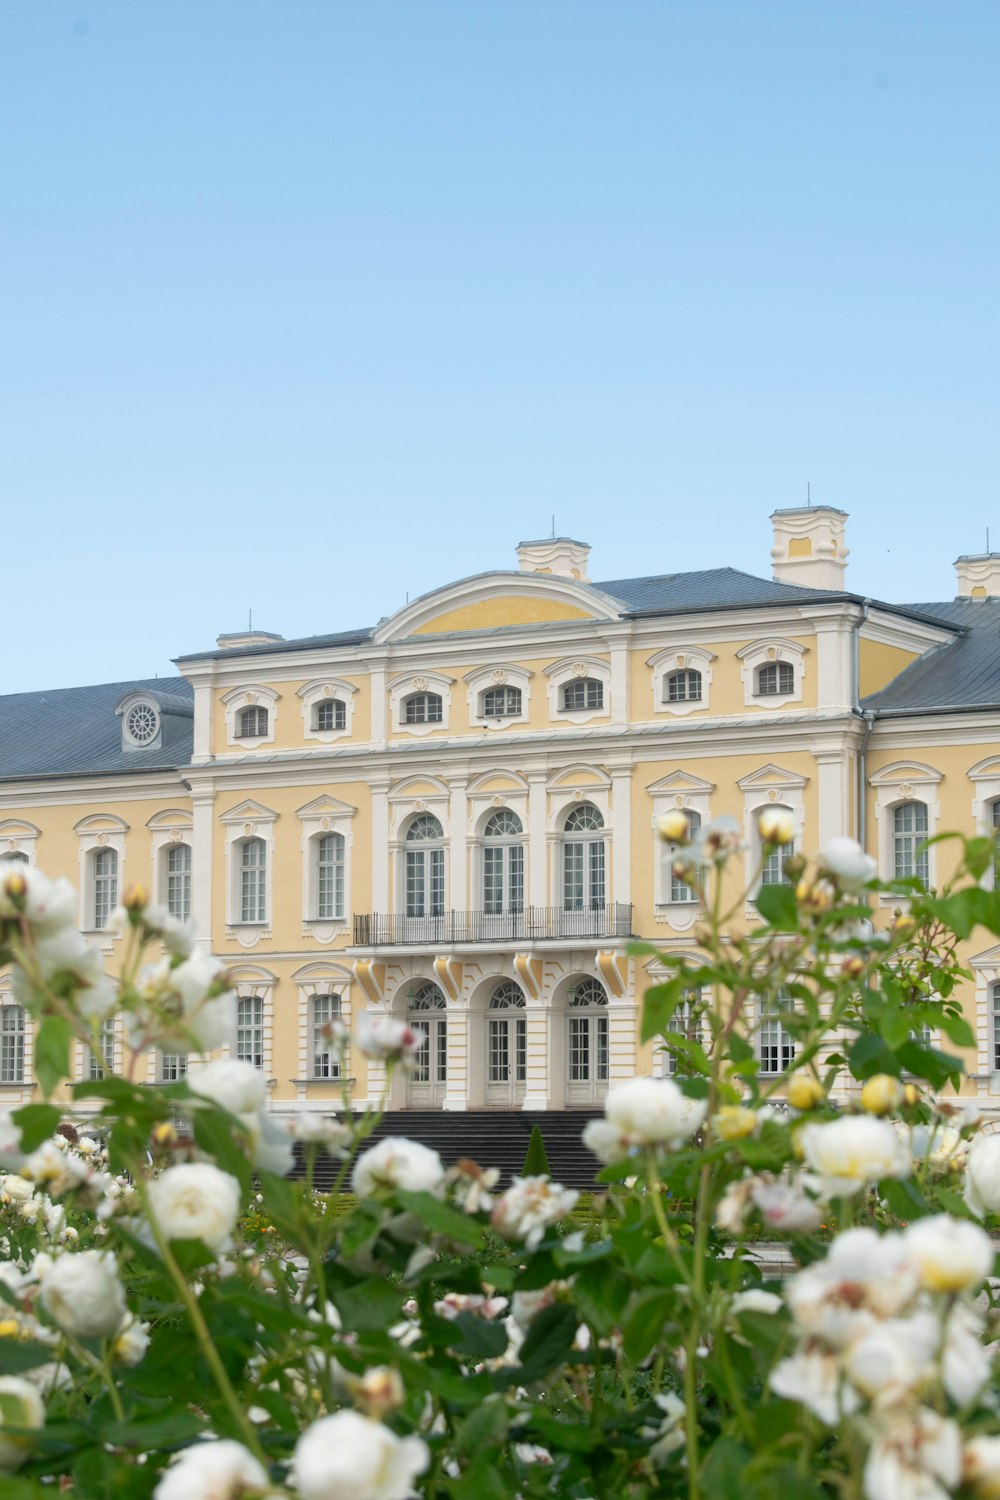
(978, 575)
(556, 554)
(238, 638)
(808, 547)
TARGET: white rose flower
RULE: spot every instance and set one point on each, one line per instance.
(216, 1470)
(15, 1188)
(397, 1163)
(851, 1153)
(967, 1364)
(47, 904)
(981, 1467)
(949, 1255)
(982, 1176)
(845, 858)
(784, 1205)
(320, 1130)
(131, 1341)
(529, 1206)
(22, 1407)
(941, 1145)
(269, 1143)
(236, 1086)
(814, 1379)
(864, 1277)
(349, 1457)
(911, 1455)
(185, 1007)
(755, 1299)
(776, 826)
(82, 1293)
(895, 1357)
(11, 1155)
(195, 1201)
(387, 1038)
(652, 1112)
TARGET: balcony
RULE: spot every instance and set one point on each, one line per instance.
(532, 925)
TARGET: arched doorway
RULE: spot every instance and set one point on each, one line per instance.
(586, 1042)
(506, 1045)
(427, 1081)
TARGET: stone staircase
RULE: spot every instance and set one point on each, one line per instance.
(493, 1138)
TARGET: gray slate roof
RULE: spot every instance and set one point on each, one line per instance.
(76, 732)
(962, 674)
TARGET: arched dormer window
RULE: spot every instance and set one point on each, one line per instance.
(424, 867)
(503, 863)
(251, 723)
(501, 702)
(582, 693)
(423, 708)
(583, 859)
(330, 713)
(683, 686)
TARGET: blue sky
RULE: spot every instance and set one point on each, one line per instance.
(311, 304)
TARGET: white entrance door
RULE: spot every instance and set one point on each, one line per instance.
(427, 1082)
(506, 1045)
(587, 1043)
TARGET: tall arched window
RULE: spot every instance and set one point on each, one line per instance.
(909, 830)
(324, 1010)
(253, 881)
(12, 1027)
(250, 1029)
(179, 881)
(584, 883)
(330, 876)
(425, 867)
(423, 708)
(506, 1042)
(679, 890)
(772, 871)
(425, 1012)
(995, 998)
(775, 1045)
(587, 1042)
(105, 892)
(775, 680)
(682, 687)
(251, 723)
(503, 863)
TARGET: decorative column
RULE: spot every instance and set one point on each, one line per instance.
(538, 872)
(202, 832)
(458, 814)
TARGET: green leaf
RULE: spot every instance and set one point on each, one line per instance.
(549, 1340)
(481, 1481)
(440, 1217)
(602, 1292)
(36, 1123)
(644, 1323)
(904, 1198)
(168, 1430)
(15, 1356)
(477, 1337)
(51, 1058)
(957, 1029)
(929, 1062)
(869, 1055)
(659, 1004)
(369, 1304)
(485, 1427)
(722, 1474)
(776, 904)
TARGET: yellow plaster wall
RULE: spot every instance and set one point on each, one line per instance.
(460, 722)
(505, 609)
(290, 726)
(726, 694)
(878, 664)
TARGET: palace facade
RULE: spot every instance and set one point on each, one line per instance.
(451, 815)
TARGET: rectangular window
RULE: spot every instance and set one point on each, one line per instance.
(680, 891)
(579, 1049)
(583, 693)
(11, 1044)
(776, 1048)
(325, 1009)
(250, 1029)
(441, 1052)
(330, 876)
(179, 881)
(424, 882)
(499, 1054)
(105, 886)
(996, 1028)
(106, 1064)
(493, 872)
(909, 830)
(253, 885)
(173, 1066)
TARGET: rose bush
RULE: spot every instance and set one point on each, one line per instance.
(179, 1320)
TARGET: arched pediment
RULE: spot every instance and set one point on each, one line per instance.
(498, 780)
(103, 822)
(322, 972)
(490, 601)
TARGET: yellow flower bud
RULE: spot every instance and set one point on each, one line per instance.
(164, 1134)
(15, 886)
(814, 895)
(674, 827)
(853, 967)
(804, 1091)
(777, 826)
(733, 1122)
(135, 898)
(911, 1095)
(903, 926)
(881, 1094)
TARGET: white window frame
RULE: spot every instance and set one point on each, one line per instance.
(18, 837)
(589, 839)
(904, 781)
(771, 1017)
(98, 832)
(248, 821)
(686, 659)
(250, 695)
(409, 683)
(171, 1067)
(425, 846)
(761, 654)
(770, 786)
(506, 843)
(171, 826)
(110, 1052)
(324, 815)
(8, 1003)
(327, 690)
(123, 709)
(320, 978)
(681, 792)
(577, 669)
(500, 675)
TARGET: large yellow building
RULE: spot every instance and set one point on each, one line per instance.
(452, 815)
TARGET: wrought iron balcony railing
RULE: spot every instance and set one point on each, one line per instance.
(532, 924)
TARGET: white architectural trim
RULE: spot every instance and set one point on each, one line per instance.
(250, 695)
(318, 978)
(98, 831)
(678, 659)
(687, 793)
(171, 826)
(324, 815)
(419, 681)
(985, 778)
(123, 709)
(504, 674)
(250, 981)
(770, 786)
(248, 820)
(758, 654)
(18, 836)
(570, 669)
(322, 690)
(904, 781)
(484, 586)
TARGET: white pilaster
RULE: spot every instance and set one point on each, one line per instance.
(380, 846)
(458, 812)
(621, 857)
(833, 791)
(538, 891)
(202, 832)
